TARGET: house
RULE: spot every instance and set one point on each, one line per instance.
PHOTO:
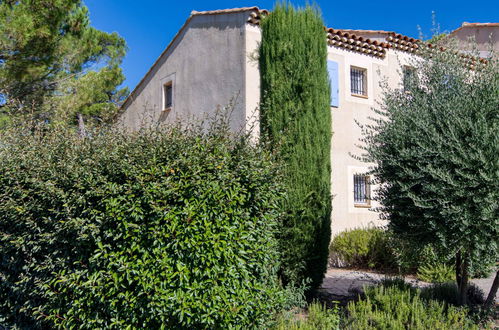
(484, 35)
(211, 62)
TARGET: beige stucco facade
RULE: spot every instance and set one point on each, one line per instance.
(485, 36)
(206, 65)
(213, 62)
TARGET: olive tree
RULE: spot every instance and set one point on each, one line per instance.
(436, 145)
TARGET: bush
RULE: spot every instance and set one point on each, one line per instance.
(482, 270)
(376, 248)
(398, 306)
(409, 257)
(318, 318)
(365, 248)
(448, 292)
(156, 229)
(436, 273)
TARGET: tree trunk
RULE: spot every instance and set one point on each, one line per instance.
(463, 286)
(493, 291)
(81, 126)
(458, 268)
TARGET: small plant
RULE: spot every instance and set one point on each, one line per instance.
(319, 318)
(396, 305)
(436, 273)
(448, 293)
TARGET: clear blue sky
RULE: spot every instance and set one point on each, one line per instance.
(149, 25)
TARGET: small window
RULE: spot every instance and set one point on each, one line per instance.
(358, 81)
(361, 190)
(167, 96)
(408, 77)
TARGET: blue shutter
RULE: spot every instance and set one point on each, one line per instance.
(332, 68)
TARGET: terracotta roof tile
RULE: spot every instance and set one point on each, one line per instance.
(356, 31)
(402, 42)
(256, 16)
(339, 38)
(350, 41)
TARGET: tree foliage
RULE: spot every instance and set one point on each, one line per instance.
(53, 64)
(162, 229)
(296, 120)
(436, 146)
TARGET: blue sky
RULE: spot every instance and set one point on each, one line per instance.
(149, 25)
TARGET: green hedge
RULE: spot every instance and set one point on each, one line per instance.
(155, 229)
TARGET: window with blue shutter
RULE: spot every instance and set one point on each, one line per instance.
(332, 68)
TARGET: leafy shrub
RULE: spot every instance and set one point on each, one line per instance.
(481, 269)
(360, 248)
(448, 292)
(436, 273)
(167, 228)
(409, 257)
(318, 318)
(398, 306)
(380, 249)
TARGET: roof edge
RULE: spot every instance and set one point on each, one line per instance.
(342, 38)
(177, 35)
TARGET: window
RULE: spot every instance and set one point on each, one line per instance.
(167, 96)
(408, 76)
(361, 190)
(358, 81)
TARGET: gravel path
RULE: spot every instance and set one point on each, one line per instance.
(344, 284)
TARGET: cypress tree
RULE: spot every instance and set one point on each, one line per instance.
(296, 123)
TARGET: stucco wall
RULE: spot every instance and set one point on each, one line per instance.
(252, 80)
(485, 37)
(347, 133)
(206, 63)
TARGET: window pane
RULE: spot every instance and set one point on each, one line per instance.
(358, 81)
(408, 77)
(168, 96)
(361, 189)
